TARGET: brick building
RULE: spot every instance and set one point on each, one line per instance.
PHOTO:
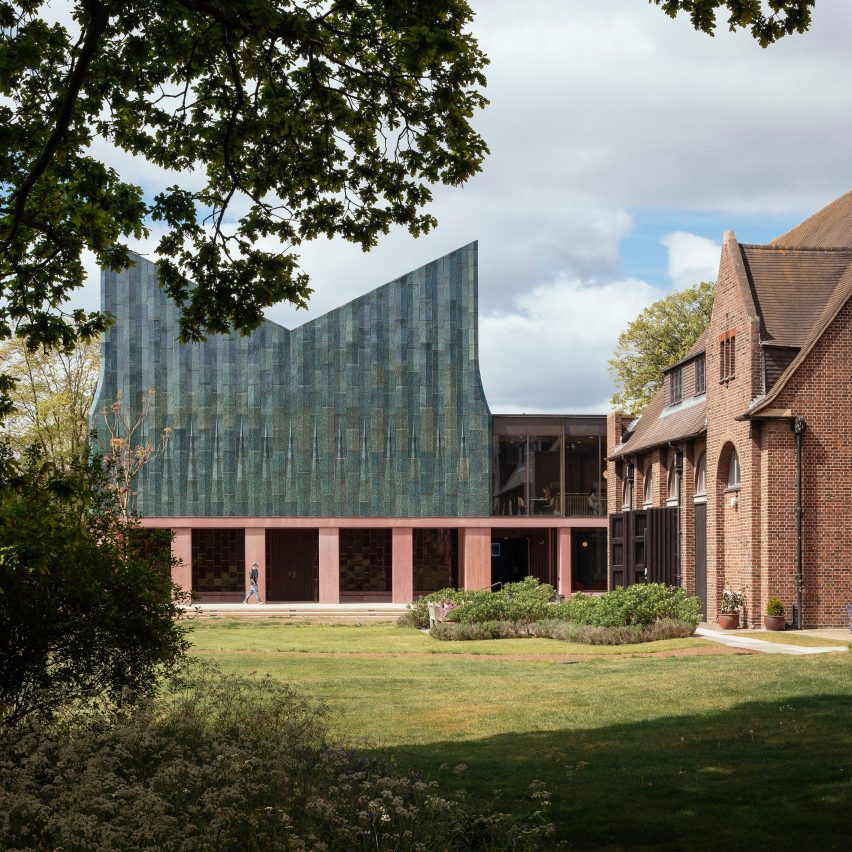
(704, 486)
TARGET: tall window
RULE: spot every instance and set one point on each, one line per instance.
(649, 488)
(675, 386)
(701, 479)
(627, 494)
(674, 487)
(727, 356)
(700, 386)
(734, 471)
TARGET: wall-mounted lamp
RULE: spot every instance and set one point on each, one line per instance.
(734, 501)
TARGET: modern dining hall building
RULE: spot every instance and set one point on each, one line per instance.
(354, 458)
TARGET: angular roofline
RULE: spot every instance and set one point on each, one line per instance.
(473, 244)
(844, 293)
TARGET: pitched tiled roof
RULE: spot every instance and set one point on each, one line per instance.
(830, 227)
(838, 298)
(660, 424)
(791, 288)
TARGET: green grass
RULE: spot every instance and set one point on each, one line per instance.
(638, 751)
(276, 637)
(790, 637)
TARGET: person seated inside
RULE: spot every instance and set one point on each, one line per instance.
(548, 501)
(593, 502)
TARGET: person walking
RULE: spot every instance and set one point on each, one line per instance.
(253, 590)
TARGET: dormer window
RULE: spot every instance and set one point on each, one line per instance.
(675, 386)
(700, 386)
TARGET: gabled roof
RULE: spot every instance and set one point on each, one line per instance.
(659, 424)
(830, 227)
(791, 288)
(838, 298)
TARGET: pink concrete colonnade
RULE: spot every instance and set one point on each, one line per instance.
(474, 547)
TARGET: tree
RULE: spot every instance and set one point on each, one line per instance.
(784, 17)
(660, 336)
(52, 398)
(129, 448)
(283, 120)
(87, 605)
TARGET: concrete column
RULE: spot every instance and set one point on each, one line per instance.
(182, 550)
(563, 561)
(329, 566)
(256, 552)
(475, 544)
(402, 562)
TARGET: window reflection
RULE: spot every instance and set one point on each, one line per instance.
(545, 460)
(537, 474)
(510, 473)
(584, 491)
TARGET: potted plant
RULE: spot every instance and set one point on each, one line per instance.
(774, 618)
(729, 611)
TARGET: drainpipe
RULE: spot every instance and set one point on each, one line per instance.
(678, 472)
(797, 425)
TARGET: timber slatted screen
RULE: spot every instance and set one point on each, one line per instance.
(617, 547)
(643, 545)
(701, 555)
(661, 544)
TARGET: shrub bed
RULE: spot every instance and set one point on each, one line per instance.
(228, 763)
(642, 603)
(528, 602)
(565, 631)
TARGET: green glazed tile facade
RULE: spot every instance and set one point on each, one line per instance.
(375, 409)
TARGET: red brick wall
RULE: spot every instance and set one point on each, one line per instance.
(732, 553)
(752, 544)
(821, 391)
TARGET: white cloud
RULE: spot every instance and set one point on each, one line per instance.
(550, 353)
(691, 258)
(600, 111)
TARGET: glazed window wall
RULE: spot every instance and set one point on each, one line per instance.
(365, 561)
(218, 561)
(436, 560)
(548, 475)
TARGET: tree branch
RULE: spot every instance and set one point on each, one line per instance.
(97, 24)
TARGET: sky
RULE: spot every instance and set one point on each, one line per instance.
(623, 144)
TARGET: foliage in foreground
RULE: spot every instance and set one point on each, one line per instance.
(229, 763)
(528, 602)
(86, 601)
(564, 631)
(296, 118)
(783, 17)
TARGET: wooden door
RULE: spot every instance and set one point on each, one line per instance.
(292, 565)
(701, 555)
(618, 548)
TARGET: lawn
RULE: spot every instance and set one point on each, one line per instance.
(660, 748)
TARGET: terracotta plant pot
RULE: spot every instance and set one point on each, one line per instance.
(773, 622)
(728, 620)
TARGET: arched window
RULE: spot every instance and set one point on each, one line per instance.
(649, 488)
(701, 480)
(674, 487)
(734, 471)
(627, 494)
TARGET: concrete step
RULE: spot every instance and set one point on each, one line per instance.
(328, 613)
